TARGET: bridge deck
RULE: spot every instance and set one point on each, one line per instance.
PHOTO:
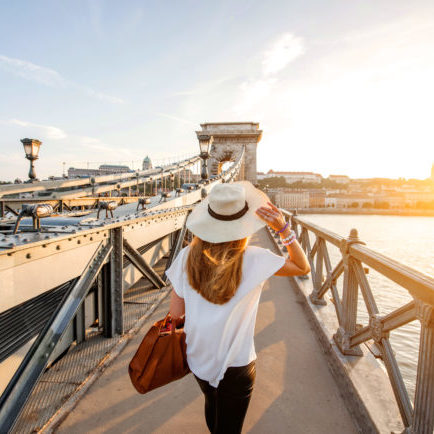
(294, 391)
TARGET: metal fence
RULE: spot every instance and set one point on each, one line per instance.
(105, 270)
(100, 301)
(353, 267)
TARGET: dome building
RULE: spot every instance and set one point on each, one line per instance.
(147, 163)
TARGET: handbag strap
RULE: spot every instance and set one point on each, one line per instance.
(174, 323)
(164, 322)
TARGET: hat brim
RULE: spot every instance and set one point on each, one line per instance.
(210, 229)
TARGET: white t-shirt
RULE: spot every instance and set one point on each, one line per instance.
(221, 335)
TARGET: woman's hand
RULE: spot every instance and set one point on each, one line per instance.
(272, 216)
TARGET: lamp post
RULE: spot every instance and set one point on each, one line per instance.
(161, 179)
(92, 182)
(172, 181)
(31, 148)
(137, 184)
(204, 144)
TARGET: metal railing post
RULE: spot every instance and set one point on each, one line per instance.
(349, 300)
(423, 415)
(106, 300)
(116, 282)
(317, 275)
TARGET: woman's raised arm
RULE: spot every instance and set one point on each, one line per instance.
(297, 263)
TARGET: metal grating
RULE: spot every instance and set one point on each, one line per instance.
(60, 381)
(21, 323)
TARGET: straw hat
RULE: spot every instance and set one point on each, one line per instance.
(228, 213)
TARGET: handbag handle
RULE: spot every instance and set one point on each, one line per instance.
(173, 323)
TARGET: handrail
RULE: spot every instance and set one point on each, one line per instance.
(417, 418)
(76, 182)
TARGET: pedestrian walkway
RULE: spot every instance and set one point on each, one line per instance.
(294, 390)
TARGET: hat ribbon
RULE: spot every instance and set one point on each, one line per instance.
(230, 217)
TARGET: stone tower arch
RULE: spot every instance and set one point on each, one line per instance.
(229, 139)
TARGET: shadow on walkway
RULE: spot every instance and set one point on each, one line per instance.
(294, 391)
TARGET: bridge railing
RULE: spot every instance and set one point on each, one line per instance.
(90, 188)
(98, 184)
(114, 252)
(354, 259)
(104, 273)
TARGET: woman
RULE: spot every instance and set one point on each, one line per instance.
(217, 281)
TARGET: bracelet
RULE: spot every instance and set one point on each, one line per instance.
(289, 237)
(289, 243)
(284, 227)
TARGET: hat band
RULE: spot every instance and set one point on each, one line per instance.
(230, 217)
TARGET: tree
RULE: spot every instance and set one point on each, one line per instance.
(381, 204)
(273, 182)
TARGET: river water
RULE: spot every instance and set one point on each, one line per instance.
(409, 240)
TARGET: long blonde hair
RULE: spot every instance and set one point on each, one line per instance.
(214, 270)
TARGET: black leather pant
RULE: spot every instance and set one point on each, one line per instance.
(226, 406)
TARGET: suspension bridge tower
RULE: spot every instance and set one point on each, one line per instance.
(230, 138)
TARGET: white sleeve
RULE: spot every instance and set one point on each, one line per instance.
(266, 263)
(176, 272)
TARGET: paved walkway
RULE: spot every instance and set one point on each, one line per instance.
(294, 390)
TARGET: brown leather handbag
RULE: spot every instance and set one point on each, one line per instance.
(161, 357)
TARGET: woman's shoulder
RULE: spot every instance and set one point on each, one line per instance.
(255, 254)
(183, 254)
(256, 250)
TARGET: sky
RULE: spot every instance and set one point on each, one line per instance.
(338, 87)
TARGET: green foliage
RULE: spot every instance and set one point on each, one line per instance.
(273, 182)
(280, 182)
(381, 204)
(424, 204)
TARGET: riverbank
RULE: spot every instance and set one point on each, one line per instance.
(368, 211)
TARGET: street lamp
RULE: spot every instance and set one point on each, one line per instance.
(204, 144)
(92, 182)
(31, 148)
(137, 184)
(172, 181)
(158, 179)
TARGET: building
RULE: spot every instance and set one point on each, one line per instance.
(104, 169)
(291, 177)
(74, 172)
(147, 163)
(113, 168)
(340, 200)
(260, 175)
(292, 199)
(317, 198)
(340, 179)
(330, 202)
